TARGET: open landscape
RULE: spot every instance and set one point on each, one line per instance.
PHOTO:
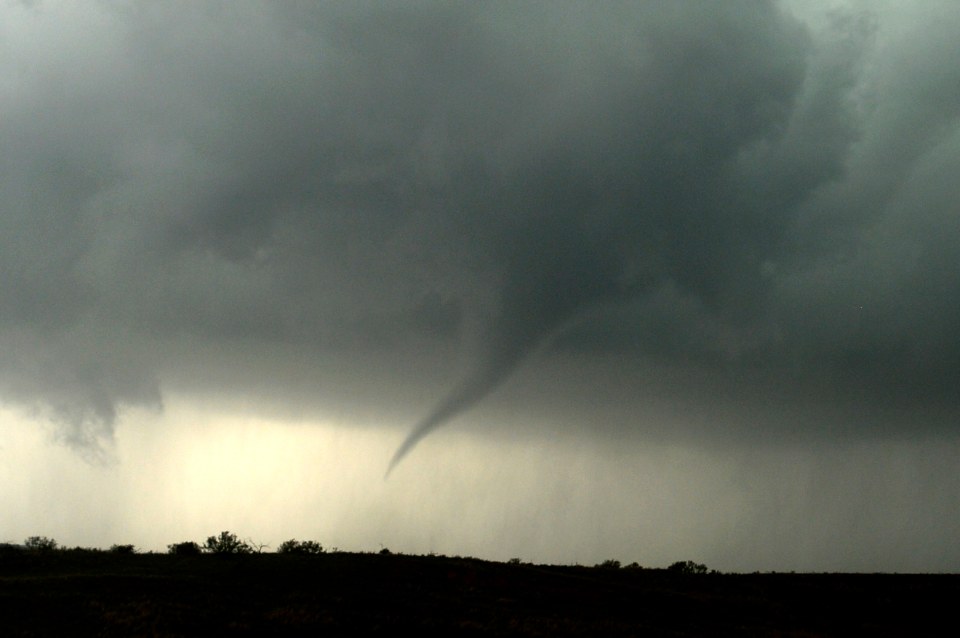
(120, 593)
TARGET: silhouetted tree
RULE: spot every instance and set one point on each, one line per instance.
(40, 544)
(226, 543)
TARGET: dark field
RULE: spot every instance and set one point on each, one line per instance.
(69, 593)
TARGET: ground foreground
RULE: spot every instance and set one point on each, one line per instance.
(74, 593)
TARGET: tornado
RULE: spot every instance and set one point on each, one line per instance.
(497, 364)
(547, 287)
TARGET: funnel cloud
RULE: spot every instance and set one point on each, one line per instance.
(545, 289)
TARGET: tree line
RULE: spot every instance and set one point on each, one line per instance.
(228, 543)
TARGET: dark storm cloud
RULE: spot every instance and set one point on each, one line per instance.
(344, 194)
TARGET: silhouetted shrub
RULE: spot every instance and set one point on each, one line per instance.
(293, 546)
(688, 567)
(311, 547)
(634, 565)
(226, 543)
(609, 564)
(122, 549)
(40, 544)
(514, 561)
(186, 548)
(385, 552)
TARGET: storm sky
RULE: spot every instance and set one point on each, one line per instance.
(650, 281)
